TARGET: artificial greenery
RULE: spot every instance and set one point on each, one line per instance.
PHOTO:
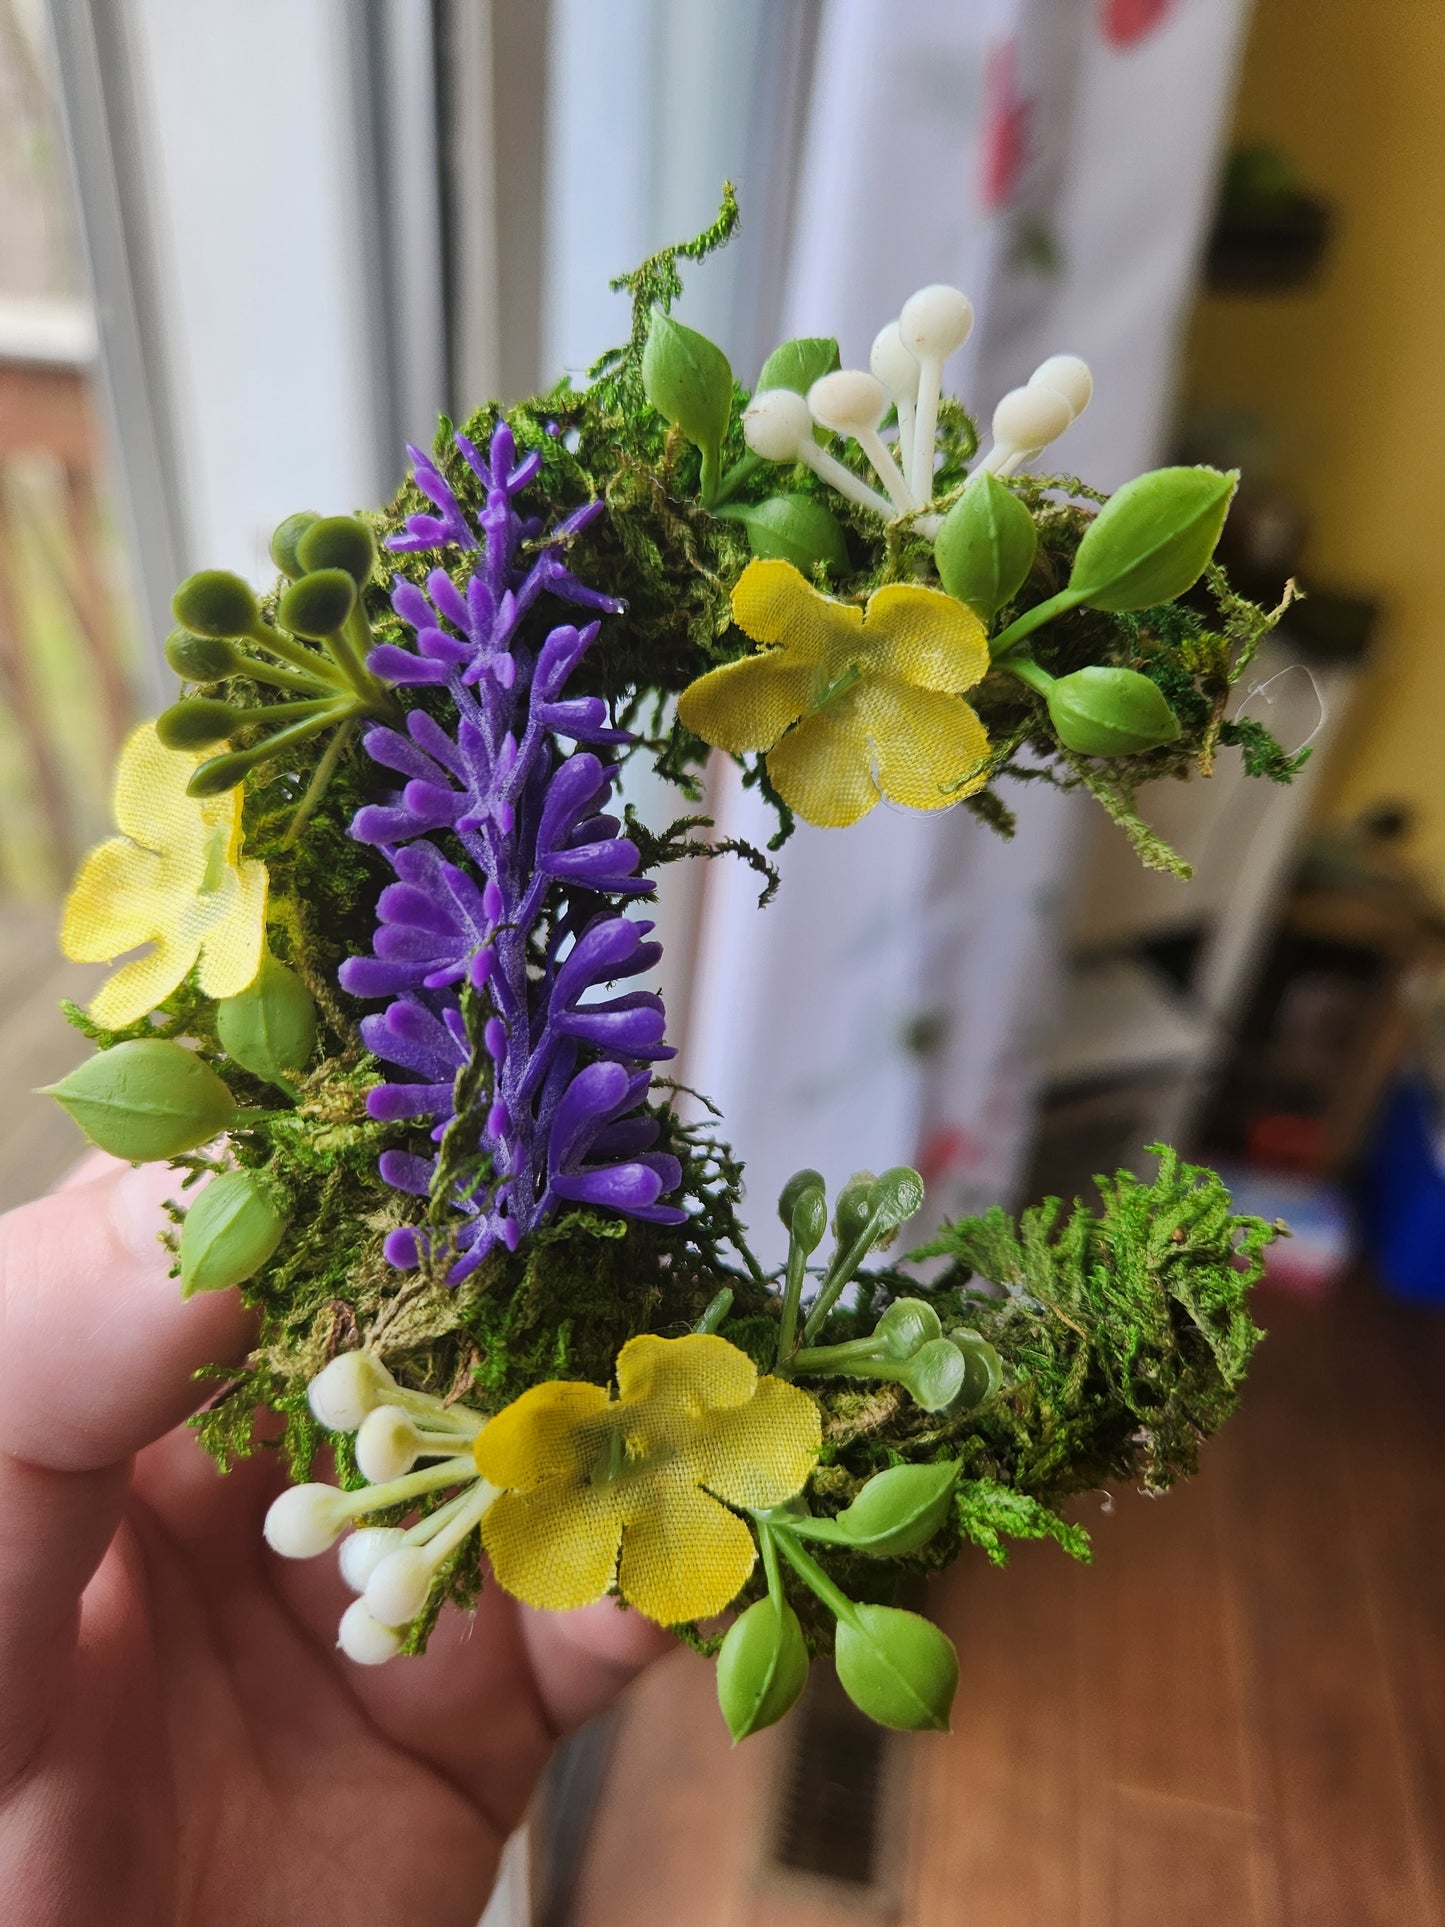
(1052, 1353)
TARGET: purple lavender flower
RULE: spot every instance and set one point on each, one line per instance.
(522, 914)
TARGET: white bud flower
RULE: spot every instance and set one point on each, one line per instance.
(363, 1639)
(894, 363)
(397, 1589)
(776, 424)
(387, 1445)
(343, 1392)
(935, 322)
(1068, 376)
(897, 368)
(848, 401)
(1030, 418)
(852, 402)
(362, 1552)
(306, 1519)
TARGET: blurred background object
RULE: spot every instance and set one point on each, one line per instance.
(247, 252)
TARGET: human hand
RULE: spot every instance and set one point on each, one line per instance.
(180, 1740)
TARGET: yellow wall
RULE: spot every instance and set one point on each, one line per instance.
(1350, 375)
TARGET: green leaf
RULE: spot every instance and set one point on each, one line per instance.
(762, 1667)
(688, 380)
(215, 602)
(270, 1027)
(796, 529)
(900, 1510)
(799, 363)
(1152, 539)
(229, 1233)
(986, 546)
(897, 1668)
(1099, 711)
(198, 722)
(146, 1099)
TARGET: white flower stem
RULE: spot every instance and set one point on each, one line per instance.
(375, 1498)
(830, 470)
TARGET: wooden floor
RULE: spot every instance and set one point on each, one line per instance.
(37, 1140)
(1235, 1718)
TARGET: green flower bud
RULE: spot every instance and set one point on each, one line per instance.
(762, 1667)
(196, 722)
(896, 1195)
(229, 1233)
(985, 548)
(809, 1221)
(221, 773)
(688, 380)
(1152, 539)
(338, 542)
(797, 1184)
(934, 1376)
(270, 1027)
(796, 529)
(983, 1368)
(216, 603)
(798, 364)
(284, 541)
(852, 1209)
(897, 1668)
(318, 604)
(146, 1099)
(1100, 711)
(900, 1510)
(907, 1324)
(203, 658)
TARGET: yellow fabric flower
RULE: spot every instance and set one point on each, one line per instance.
(175, 878)
(849, 703)
(588, 1477)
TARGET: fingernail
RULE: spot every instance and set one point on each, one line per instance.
(137, 1198)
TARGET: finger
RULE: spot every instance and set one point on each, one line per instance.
(97, 1356)
(582, 1660)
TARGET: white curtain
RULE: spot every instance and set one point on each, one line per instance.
(1056, 160)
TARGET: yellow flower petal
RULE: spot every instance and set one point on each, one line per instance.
(926, 637)
(684, 1376)
(928, 749)
(552, 1431)
(151, 806)
(683, 1555)
(231, 949)
(136, 988)
(555, 1548)
(175, 879)
(762, 1452)
(823, 767)
(109, 908)
(747, 704)
(587, 1474)
(774, 602)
